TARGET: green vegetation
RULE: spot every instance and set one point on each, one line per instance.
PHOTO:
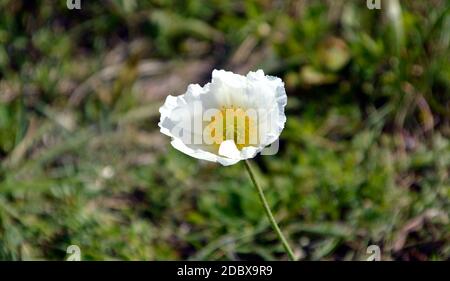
(364, 158)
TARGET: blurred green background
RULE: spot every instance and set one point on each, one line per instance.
(364, 158)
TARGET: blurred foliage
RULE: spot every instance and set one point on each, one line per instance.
(364, 158)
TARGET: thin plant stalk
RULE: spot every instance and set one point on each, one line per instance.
(268, 211)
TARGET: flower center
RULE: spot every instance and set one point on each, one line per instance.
(233, 123)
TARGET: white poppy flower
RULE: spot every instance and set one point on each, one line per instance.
(232, 118)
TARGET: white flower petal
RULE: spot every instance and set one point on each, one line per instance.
(227, 161)
(196, 153)
(228, 88)
(250, 152)
(229, 149)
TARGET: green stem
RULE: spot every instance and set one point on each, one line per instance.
(268, 212)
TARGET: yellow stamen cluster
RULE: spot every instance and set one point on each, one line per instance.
(235, 124)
